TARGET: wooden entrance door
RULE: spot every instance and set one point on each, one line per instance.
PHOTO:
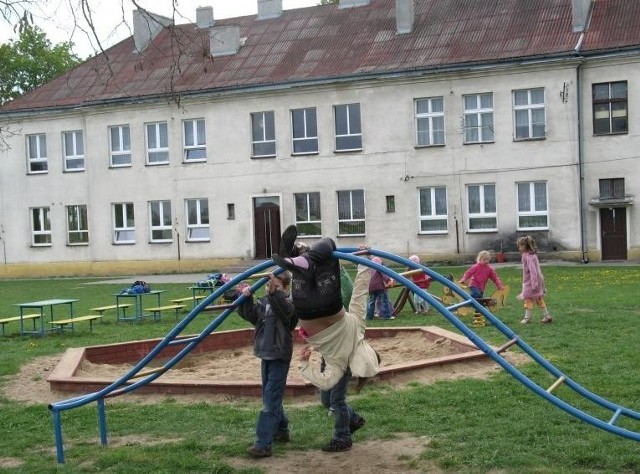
(266, 219)
(613, 233)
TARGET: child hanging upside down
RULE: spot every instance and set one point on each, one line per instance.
(336, 334)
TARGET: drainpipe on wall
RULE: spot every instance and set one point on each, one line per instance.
(581, 199)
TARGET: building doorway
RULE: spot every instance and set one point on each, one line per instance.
(613, 233)
(266, 225)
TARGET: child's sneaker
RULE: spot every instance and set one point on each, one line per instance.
(256, 452)
(547, 319)
(336, 446)
(525, 321)
(356, 425)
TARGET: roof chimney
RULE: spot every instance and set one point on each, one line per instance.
(146, 26)
(269, 9)
(353, 3)
(405, 14)
(224, 40)
(204, 17)
(580, 10)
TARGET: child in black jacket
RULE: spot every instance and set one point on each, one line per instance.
(274, 319)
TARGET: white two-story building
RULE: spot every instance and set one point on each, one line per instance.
(433, 127)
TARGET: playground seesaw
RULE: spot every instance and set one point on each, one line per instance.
(140, 374)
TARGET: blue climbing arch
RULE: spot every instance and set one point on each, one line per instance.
(141, 374)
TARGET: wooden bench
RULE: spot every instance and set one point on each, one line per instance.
(61, 323)
(101, 309)
(157, 311)
(188, 298)
(25, 317)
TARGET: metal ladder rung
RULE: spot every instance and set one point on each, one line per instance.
(615, 416)
(458, 305)
(556, 384)
(507, 345)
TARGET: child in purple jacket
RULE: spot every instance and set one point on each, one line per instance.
(533, 289)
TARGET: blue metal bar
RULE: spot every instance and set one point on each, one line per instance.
(124, 385)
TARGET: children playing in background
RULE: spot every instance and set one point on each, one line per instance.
(422, 280)
(378, 293)
(477, 276)
(274, 319)
(533, 288)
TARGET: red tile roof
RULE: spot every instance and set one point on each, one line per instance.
(328, 43)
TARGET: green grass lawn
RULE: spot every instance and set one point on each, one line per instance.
(492, 425)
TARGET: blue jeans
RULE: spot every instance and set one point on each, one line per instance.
(475, 292)
(386, 311)
(336, 401)
(272, 418)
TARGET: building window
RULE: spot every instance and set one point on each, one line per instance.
(120, 142)
(429, 121)
(482, 207)
(263, 134)
(73, 144)
(160, 221)
(433, 210)
(124, 225)
(348, 127)
(308, 218)
(533, 210)
(40, 227)
(391, 203)
(77, 225)
(37, 153)
(612, 188)
(195, 141)
(610, 113)
(351, 213)
(529, 113)
(197, 220)
(478, 118)
(157, 143)
(231, 211)
(305, 131)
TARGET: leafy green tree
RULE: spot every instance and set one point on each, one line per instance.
(31, 61)
(329, 2)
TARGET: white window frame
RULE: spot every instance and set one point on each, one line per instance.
(157, 152)
(197, 150)
(123, 213)
(37, 160)
(432, 217)
(533, 205)
(307, 208)
(433, 118)
(40, 226)
(77, 225)
(119, 149)
(160, 222)
(263, 134)
(526, 106)
(198, 222)
(478, 118)
(348, 213)
(349, 139)
(485, 213)
(74, 157)
(307, 135)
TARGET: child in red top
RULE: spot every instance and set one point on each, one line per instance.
(479, 274)
(422, 280)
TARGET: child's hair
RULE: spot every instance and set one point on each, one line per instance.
(528, 243)
(285, 278)
(483, 254)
